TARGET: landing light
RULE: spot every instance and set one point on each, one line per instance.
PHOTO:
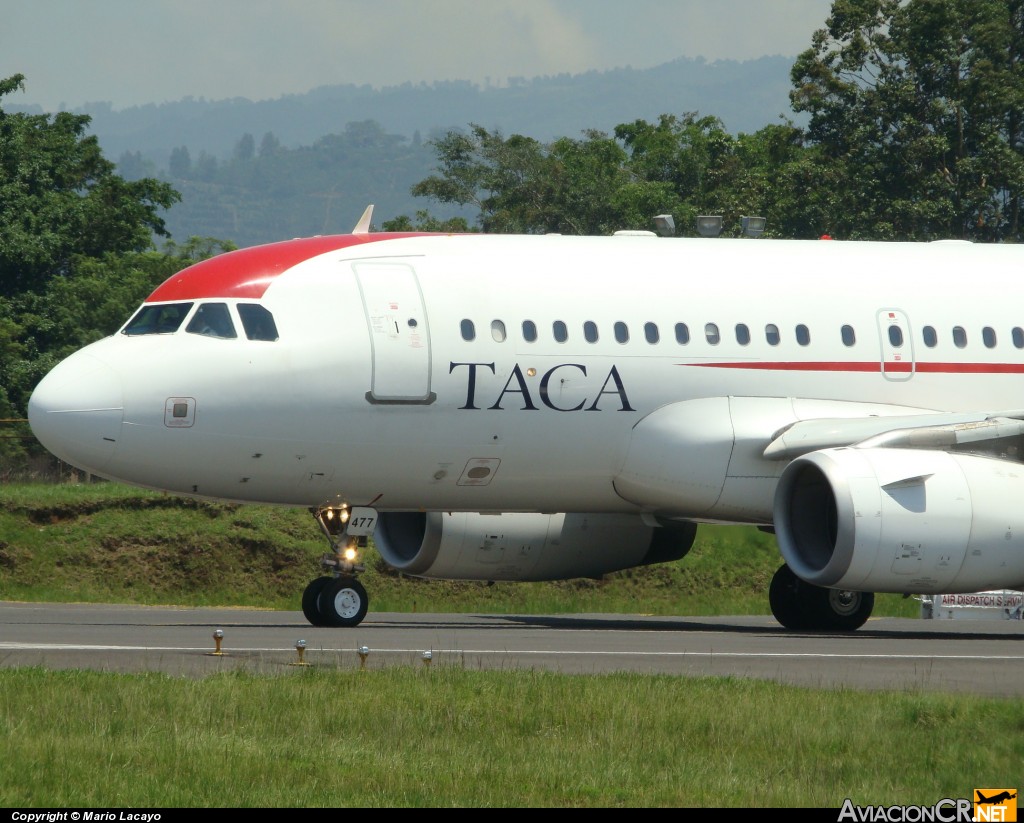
(351, 554)
(342, 512)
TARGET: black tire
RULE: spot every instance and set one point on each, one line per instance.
(801, 606)
(785, 596)
(343, 603)
(310, 598)
(837, 610)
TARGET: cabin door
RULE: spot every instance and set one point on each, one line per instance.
(399, 338)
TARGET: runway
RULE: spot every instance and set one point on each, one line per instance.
(963, 656)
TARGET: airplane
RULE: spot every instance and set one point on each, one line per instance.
(996, 798)
(544, 407)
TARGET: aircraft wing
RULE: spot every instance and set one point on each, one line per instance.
(997, 434)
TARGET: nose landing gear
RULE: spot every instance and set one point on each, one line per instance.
(338, 599)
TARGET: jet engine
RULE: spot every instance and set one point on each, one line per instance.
(524, 546)
(902, 520)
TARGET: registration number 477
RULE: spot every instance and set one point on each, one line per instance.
(361, 521)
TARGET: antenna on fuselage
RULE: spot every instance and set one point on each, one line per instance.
(363, 226)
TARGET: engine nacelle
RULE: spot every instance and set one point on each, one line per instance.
(902, 520)
(523, 546)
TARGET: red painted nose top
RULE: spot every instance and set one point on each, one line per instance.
(247, 273)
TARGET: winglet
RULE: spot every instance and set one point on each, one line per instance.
(363, 226)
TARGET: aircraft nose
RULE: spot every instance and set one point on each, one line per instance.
(76, 412)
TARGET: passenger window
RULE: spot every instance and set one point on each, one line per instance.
(682, 334)
(590, 331)
(895, 336)
(959, 337)
(560, 331)
(711, 333)
(498, 331)
(621, 332)
(931, 339)
(468, 330)
(212, 320)
(529, 331)
(803, 335)
(742, 334)
(651, 333)
(162, 319)
(771, 334)
(849, 336)
(988, 337)
(1018, 337)
(257, 321)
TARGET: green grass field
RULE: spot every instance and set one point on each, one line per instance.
(453, 738)
(442, 736)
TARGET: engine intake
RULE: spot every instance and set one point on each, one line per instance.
(902, 520)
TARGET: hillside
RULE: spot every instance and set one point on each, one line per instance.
(745, 95)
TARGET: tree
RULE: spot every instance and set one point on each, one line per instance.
(917, 106)
(180, 163)
(269, 145)
(696, 158)
(593, 190)
(245, 148)
(205, 168)
(60, 197)
(132, 166)
(598, 184)
(503, 178)
(571, 186)
(425, 222)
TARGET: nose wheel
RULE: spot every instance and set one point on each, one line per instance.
(338, 599)
(335, 602)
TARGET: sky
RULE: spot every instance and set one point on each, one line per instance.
(133, 52)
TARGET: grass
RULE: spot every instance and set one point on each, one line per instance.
(451, 737)
(104, 542)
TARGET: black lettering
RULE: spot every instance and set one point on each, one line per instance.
(620, 390)
(523, 390)
(546, 398)
(471, 388)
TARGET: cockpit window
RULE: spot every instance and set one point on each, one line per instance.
(213, 320)
(257, 321)
(157, 319)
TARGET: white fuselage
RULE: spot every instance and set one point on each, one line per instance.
(375, 393)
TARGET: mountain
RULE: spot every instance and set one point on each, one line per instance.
(388, 151)
(744, 95)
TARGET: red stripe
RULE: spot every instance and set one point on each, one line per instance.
(870, 366)
(247, 273)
